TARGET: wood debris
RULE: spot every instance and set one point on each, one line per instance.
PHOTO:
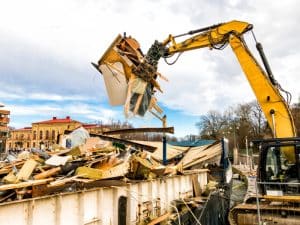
(97, 162)
(26, 169)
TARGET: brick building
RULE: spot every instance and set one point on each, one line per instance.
(46, 133)
(4, 120)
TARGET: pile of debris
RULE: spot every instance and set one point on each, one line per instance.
(81, 161)
(87, 163)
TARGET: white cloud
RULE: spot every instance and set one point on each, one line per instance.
(79, 111)
(33, 110)
(20, 94)
(47, 47)
(54, 97)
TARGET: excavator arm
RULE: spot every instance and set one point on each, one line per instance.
(263, 84)
(124, 63)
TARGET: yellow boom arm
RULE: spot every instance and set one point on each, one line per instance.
(273, 105)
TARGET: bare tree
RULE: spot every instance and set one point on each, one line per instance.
(212, 124)
(236, 123)
(295, 109)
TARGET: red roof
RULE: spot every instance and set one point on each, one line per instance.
(23, 129)
(56, 120)
(4, 112)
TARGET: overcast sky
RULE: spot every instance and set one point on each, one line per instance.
(47, 46)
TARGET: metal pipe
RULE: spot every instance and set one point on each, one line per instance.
(165, 160)
(198, 30)
(164, 139)
(272, 112)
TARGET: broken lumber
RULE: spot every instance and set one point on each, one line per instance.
(196, 186)
(5, 171)
(117, 171)
(56, 160)
(26, 170)
(61, 182)
(24, 184)
(10, 178)
(47, 173)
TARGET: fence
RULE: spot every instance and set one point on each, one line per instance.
(247, 160)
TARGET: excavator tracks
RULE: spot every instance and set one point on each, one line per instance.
(269, 213)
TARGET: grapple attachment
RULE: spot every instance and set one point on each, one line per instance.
(129, 78)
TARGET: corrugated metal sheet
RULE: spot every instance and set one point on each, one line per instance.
(101, 205)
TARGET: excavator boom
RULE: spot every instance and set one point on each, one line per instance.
(264, 86)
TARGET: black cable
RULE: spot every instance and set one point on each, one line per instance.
(172, 63)
(223, 43)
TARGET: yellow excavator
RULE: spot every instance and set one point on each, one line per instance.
(277, 197)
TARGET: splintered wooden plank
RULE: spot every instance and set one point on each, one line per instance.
(26, 169)
(24, 184)
(47, 173)
(172, 151)
(61, 182)
(116, 171)
(196, 186)
(5, 171)
(201, 154)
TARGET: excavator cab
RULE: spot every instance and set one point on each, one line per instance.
(277, 175)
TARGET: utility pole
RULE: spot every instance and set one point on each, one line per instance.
(164, 139)
(247, 152)
(235, 149)
(164, 121)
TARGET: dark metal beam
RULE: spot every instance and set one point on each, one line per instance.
(125, 142)
(141, 130)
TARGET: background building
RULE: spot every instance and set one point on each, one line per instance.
(19, 138)
(46, 133)
(4, 120)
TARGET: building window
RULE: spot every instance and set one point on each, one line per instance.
(27, 144)
(47, 134)
(33, 144)
(34, 135)
(28, 136)
(41, 134)
(17, 136)
(53, 135)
